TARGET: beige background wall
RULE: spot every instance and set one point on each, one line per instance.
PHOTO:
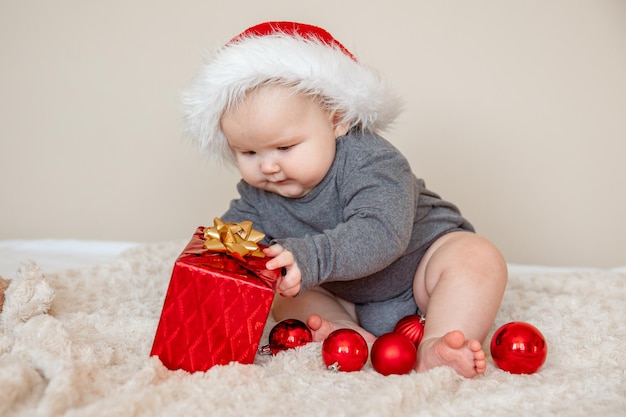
(515, 110)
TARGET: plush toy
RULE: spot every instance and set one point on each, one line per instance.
(4, 284)
(26, 296)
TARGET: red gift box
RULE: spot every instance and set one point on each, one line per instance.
(215, 308)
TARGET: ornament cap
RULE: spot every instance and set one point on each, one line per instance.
(334, 367)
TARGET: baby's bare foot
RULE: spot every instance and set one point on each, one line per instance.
(321, 328)
(466, 357)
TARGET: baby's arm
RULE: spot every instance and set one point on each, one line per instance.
(289, 283)
(371, 220)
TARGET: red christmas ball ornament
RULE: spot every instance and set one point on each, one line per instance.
(518, 348)
(412, 326)
(393, 353)
(289, 334)
(345, 350)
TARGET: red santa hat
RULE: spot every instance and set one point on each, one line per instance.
(304, 57)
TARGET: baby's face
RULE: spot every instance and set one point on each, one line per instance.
(283, 142)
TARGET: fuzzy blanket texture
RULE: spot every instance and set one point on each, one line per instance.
(77, 343)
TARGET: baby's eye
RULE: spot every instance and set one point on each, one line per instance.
(248, 153)
(284, 148)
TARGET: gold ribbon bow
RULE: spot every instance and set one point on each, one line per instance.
(239, 239)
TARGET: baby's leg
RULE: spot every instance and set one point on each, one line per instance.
(321, 311)
(459, 284)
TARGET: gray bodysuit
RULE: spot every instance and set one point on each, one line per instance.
(361, 232)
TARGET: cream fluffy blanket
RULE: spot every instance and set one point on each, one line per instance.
(77, 343)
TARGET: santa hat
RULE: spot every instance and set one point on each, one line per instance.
(306, 58)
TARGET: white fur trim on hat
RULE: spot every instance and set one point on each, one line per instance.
(307, 64)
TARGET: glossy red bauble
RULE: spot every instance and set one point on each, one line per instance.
(289, 334)
(412, 326)
(518, 348)
(345, 350)
(393, 353)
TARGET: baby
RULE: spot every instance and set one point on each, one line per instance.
(360, 238)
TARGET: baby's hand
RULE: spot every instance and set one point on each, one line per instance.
(289, 284)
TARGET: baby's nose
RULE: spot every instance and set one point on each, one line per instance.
(269, 166)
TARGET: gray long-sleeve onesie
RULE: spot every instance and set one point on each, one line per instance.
(361, 232)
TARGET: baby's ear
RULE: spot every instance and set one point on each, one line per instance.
(341, 126)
